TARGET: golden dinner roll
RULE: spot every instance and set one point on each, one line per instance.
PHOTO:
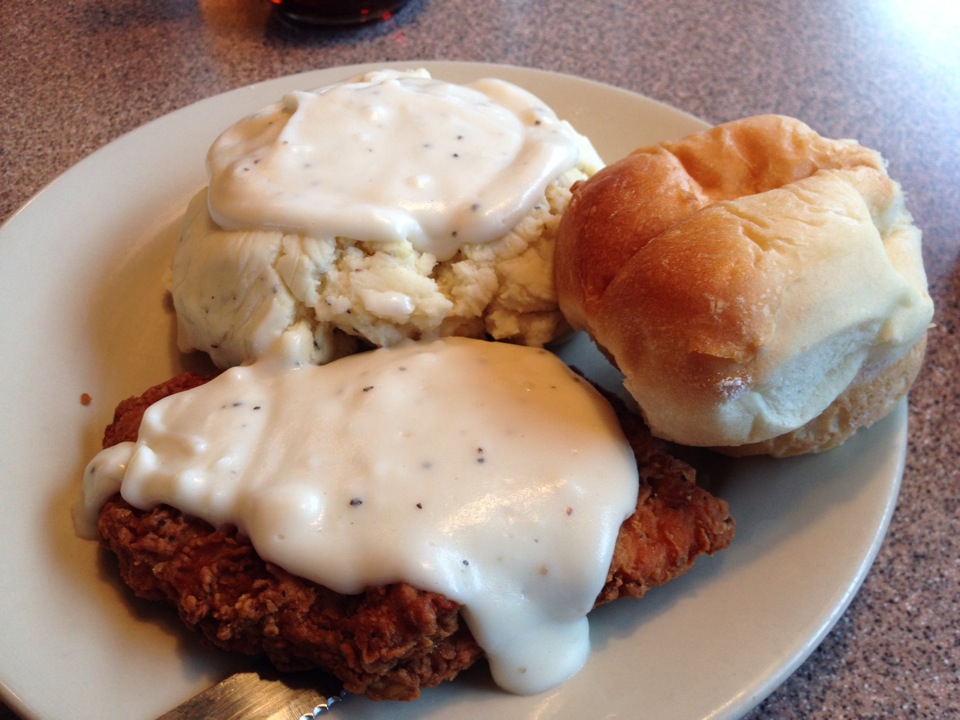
(760, 287)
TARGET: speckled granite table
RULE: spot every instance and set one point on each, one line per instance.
(78, 74)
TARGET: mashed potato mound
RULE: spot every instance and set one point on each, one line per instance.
(235, 292)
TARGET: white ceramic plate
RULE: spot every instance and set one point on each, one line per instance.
(82, 310)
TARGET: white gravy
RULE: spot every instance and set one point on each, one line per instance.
(487, 472)
(392, 156)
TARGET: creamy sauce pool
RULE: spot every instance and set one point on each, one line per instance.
(392, 156)
(487, 472)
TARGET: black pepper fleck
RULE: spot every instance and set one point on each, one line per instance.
(419, 506)
(368, 388)
(355, 502)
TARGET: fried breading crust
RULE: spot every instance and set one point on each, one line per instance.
(392, 641)
(674, 522)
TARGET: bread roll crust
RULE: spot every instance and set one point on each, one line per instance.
(871, 397)
(742, 278)
(632, 201)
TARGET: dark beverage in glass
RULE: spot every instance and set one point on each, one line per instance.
(337, 12)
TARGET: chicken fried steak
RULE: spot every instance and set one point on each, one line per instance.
(392, 641)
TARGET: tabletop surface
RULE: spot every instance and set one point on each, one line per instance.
(78, 74)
